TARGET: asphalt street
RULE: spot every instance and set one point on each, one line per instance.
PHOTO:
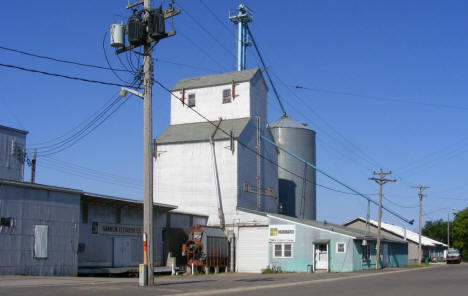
(435, 280)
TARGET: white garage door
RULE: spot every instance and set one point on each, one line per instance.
(252, 255)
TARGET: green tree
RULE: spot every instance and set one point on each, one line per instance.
(459, 232)
(436, 230)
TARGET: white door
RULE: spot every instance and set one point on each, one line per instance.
(252, 249)
(122, 251)
(385, 255)
(321, 257)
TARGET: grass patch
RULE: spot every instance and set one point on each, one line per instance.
(274, 269)
(415, 265)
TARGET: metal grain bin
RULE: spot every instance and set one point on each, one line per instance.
(297, 196)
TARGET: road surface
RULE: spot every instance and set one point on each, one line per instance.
(429, 281)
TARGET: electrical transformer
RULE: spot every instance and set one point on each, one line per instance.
(156, 25)
(117, 38)
(136, 30)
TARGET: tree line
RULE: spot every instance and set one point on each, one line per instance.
(437, 230)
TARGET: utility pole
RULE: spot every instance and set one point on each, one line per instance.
(259, 168)
(147, 31)
(420, 194)
(448, 228)
(33, 166)
(381, 181)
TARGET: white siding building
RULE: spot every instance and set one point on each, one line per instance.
(215, 177)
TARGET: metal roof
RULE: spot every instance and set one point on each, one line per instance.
(88, 195)
(217, 79)
(13, 129)
(400, 231)
(202, 131)
(345, 230)
(39, 186)
(286, 122)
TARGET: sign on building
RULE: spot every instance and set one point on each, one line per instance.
(282, 233)
(116, 229)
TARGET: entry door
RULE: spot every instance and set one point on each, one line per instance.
(321, 257)
(122, 251)
(385, 255)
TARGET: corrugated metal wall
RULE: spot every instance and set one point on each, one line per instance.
(43, 236)
(12, 144)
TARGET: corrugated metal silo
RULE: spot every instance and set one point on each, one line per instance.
(297, 196)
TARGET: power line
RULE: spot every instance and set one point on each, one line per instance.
(202, 50)
(397, 204)
(363, 155)
(60, 60)
(378, 98)
(92, 124)
(107, 60)
(208, 32)
(266, 70)
(63, 76)
(241, 143)
(185, 65)
(216, 17)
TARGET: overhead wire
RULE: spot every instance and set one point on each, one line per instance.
(107, 59)
(266, 70)
(92, 174)
(61, 60)
(377, 98)
(89, 127)
(63, 75)
(206, 31)
(275, 163)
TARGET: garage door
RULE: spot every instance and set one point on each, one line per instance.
(252, 255)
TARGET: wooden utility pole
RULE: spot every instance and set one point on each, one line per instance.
(148, 45)
(33, 166)
(381, 181)
(420, 194)
(259, 168)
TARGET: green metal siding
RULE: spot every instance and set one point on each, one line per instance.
(302, 249)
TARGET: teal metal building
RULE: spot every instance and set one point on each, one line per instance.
(306, 246)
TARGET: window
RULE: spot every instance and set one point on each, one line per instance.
(5, 222)
(340, 247)
(226, 96)
(278, 250)
(366, 252)
(40, 241)
(191, 100)
(282, 251)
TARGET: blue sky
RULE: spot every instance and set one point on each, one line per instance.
(386, 89)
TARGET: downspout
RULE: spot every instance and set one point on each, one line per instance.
(215, 171)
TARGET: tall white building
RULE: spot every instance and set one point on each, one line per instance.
(211, 168)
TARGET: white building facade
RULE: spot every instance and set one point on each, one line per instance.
(210, 168)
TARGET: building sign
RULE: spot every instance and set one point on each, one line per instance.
(116, 229)
(282, 233)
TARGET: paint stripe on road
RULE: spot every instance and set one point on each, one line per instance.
(283, 285)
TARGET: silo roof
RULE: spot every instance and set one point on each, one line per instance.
(286, 122)
(216, 79)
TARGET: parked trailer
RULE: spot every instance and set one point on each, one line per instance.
(206, 248)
